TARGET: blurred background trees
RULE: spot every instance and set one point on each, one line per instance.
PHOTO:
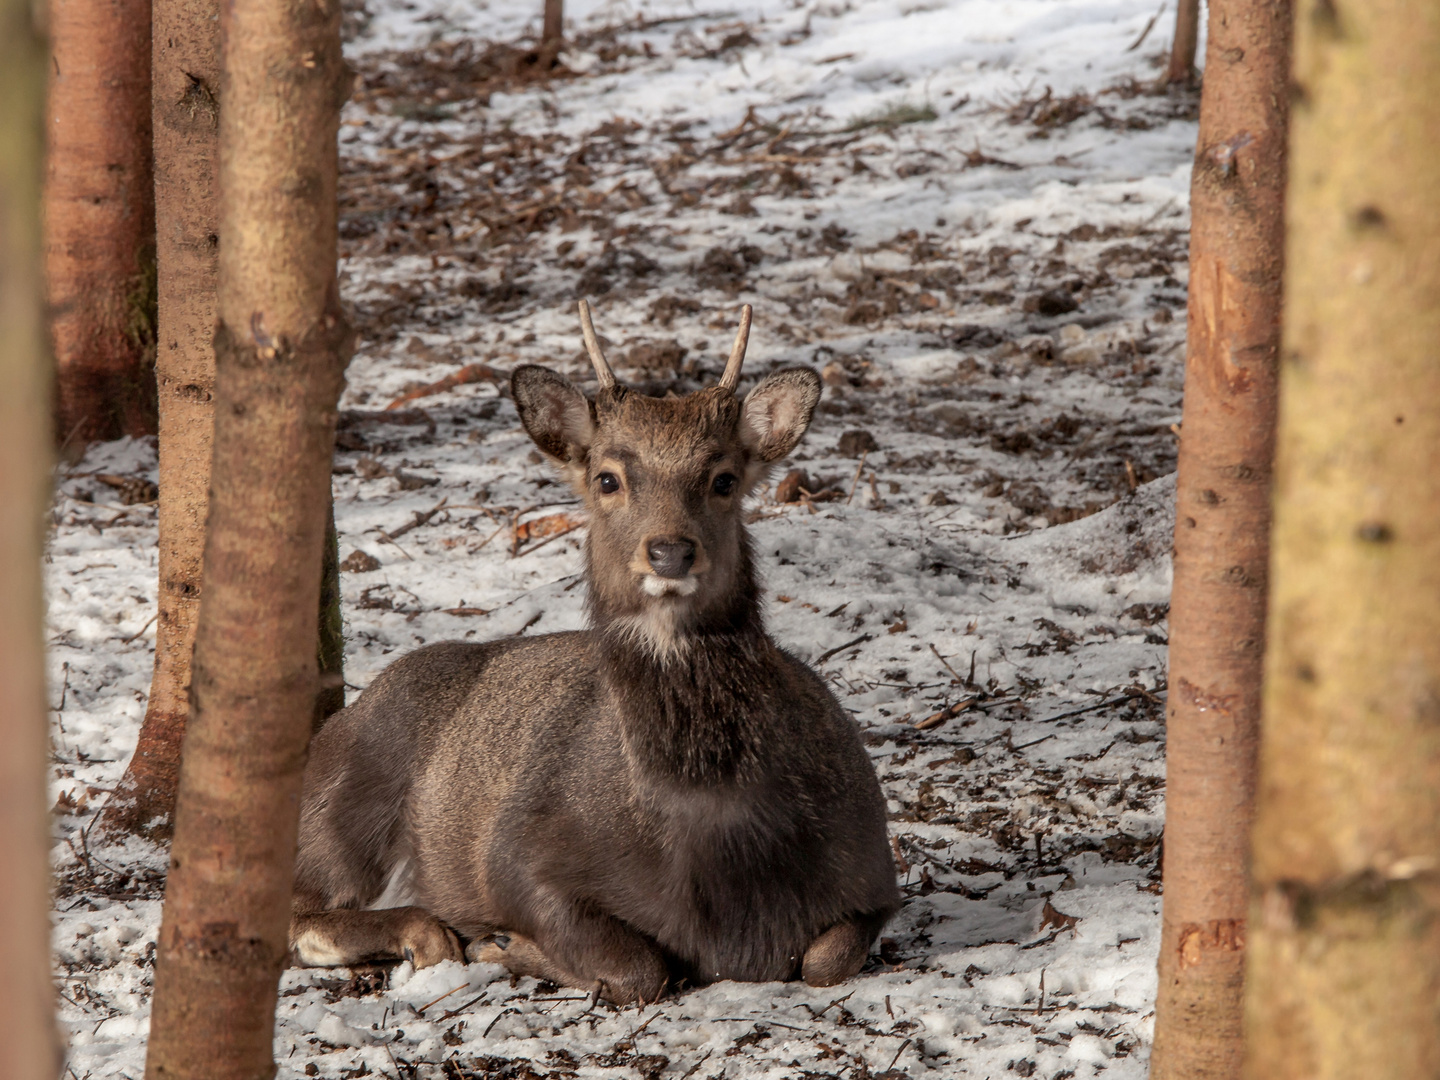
(99, 213)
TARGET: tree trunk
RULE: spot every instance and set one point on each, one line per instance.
(100, 220)
(29, 1049)
(186, 80)
(281, 346)
(1344, 969)
(552, 32)
(1222, 528)
(1187, 38)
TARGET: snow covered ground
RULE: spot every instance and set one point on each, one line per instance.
(971, 216)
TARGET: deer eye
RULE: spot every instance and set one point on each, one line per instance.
(609, 483)
(724, 484)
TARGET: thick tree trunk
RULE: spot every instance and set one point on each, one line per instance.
(1181, 68)
(1222, 529)
(28, 1048)
(186, 81)
(281, 348)
(1344, 966)
(100, 220)
(552, 32)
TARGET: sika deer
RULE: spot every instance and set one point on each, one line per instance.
(667, 795)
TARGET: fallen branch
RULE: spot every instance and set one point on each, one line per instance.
(420, 519)
(934, 720)
(470, 373)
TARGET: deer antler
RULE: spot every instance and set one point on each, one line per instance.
(592, 346)
(731, 378)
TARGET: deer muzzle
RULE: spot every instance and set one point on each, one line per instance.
(670, 558)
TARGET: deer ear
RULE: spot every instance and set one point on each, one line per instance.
(774, 415)
(556, 414)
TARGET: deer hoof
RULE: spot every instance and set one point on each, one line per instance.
(836, 955)
(425, 941)
(521, 956)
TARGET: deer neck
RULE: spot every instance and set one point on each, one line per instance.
(695, 701)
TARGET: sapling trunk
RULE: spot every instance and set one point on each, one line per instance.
(553, 28)
(186, 78)
(1222, 527)
(1181, 67)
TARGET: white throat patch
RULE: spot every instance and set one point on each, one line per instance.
(660, 631)
(655, 585)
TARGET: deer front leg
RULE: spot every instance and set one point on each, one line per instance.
(345, 936)
(839, 953)
(587, 950)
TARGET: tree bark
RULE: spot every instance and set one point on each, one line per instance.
(281, 347)
(1344, 965)
(29, 1049)
(1222, 528)
(186, 117)
(100, 220)
(1181, 68)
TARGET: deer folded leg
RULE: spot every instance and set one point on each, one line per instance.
(591, 952)
(346, 936)
(839, 953)
(521, 956)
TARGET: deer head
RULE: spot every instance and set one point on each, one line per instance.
(663, 480)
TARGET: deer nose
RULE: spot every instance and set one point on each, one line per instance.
(671, 558)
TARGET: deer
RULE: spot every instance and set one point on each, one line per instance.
(664, 798)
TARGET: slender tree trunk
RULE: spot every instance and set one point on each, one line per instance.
(28, 1048)
(1187, 39)
(1344, 966)
(552, 32)
(281, 348)
(186, 81)
(1222, 529)
(100, 220)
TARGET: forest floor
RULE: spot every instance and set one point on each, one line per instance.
(971, 216)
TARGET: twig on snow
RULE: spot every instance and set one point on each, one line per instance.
(841, 648)
(948, 668)
(856, 481)
(896, 1058)
(1148, 27)
(132, 637)
(696, 1067)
